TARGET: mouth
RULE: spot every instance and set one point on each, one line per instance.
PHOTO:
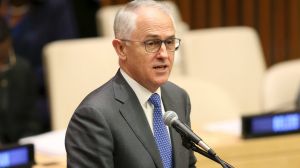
(160, 67)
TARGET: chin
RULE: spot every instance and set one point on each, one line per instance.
(162, 81)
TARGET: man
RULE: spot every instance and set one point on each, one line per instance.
(18, 117)
(116, 125)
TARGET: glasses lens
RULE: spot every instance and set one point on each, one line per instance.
(177, 44)
(152, 45)
(172, 44)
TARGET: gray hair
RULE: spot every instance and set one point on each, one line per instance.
(125, 19)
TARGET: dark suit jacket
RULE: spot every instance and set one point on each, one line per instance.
(18, 115)
(109, 129)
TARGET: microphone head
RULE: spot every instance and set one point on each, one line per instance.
(170, 117)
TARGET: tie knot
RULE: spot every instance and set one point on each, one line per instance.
(155, 99)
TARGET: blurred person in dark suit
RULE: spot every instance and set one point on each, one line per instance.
(18, 116)
(35, 23)
(85, 14)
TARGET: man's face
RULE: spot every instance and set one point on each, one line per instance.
(151, 70)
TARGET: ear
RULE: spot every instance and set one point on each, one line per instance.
(120, 48)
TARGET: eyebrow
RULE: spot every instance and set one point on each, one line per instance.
(157, 37)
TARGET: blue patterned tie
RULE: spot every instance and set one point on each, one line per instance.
(160, 132)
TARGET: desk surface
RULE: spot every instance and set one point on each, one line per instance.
(273, 152)
(46, 161)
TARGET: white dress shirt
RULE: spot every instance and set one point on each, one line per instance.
(143, 96)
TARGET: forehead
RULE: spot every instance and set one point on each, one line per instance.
(153, 22)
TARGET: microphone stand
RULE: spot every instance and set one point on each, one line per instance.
(190, 145)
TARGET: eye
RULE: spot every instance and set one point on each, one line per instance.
(149, 43)
(170, 41)
(152, 43)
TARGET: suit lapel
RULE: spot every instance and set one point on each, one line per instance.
(175, 137)
(134, 115)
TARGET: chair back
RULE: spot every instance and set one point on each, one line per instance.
(73, 69)
(282, 86)
(230, 57)
(209, 103)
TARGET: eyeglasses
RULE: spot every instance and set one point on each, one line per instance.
(153, 46)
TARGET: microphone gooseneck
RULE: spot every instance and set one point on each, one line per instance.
(171, 119)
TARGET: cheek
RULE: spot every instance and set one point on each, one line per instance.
(138, 62)
(171, 58)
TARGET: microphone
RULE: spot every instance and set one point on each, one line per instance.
(171, 119)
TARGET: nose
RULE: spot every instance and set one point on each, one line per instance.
(163, 51)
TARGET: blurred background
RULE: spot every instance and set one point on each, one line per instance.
(238, 57)
(277, 21)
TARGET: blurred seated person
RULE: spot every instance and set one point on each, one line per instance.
(18, 117)
(33, 24)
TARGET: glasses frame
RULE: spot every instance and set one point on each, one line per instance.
(177, 44)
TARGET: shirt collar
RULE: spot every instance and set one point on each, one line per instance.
(141, 92)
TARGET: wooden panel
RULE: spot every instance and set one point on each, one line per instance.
(105, 2)
(215, 13)
(277, 21)
(113, 2)
(293, 29)
(279, 31)
(184, 6)
(231, 13)
(199, 17)
(248, 13)
(264, 26)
